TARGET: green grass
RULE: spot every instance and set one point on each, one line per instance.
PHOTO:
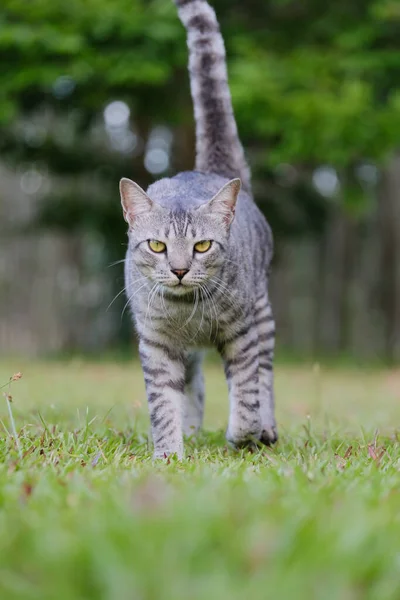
(86, 514)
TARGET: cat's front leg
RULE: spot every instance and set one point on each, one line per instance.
(164, 373)
(241, 367)
(194, 393)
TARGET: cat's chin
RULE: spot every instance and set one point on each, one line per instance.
(179, 289)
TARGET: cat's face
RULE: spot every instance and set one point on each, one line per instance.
(181, 250)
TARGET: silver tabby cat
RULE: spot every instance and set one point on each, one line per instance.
(196, 270)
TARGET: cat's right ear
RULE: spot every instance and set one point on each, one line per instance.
(134, 200)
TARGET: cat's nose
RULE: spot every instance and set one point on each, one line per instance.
(180, 273)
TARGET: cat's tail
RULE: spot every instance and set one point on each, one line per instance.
(218, 147)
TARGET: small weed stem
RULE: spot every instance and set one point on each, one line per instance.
(13, 428)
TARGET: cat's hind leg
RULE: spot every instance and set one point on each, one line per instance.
(240, 353)
(265, 324)
(193, 408)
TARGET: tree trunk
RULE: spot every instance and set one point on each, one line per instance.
(389, 222)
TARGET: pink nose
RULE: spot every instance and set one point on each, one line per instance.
(180, 273)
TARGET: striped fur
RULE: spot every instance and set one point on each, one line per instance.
(221, 299)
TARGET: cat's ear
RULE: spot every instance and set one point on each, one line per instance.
(134, 200)
(224, 201)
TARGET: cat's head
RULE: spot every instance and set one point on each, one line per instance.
(181, 248)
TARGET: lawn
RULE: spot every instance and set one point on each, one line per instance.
(85, 514)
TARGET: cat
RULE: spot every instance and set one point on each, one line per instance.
(197, 266)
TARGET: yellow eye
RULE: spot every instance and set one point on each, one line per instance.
(157, 246)
(202, 246)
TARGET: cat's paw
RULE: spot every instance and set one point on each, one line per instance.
(242, 437)
(269, 435)
(245, 438)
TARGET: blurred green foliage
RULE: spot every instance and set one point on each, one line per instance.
(312, 84)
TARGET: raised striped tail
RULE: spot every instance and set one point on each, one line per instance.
(218, 147)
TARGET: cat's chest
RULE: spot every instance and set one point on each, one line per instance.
(196, 323)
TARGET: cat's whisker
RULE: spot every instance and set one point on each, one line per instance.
(117, 262)
(115, 297)
(223, 288)
(156, 293)
(132, 296)
(210, 308)
(150, 297)
(165, 310)
(214, 310)
(220, 281)
(125, 289)
(199, 329)
(222, 285)
(195, 303)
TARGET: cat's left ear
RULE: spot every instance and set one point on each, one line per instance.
(224, 201)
